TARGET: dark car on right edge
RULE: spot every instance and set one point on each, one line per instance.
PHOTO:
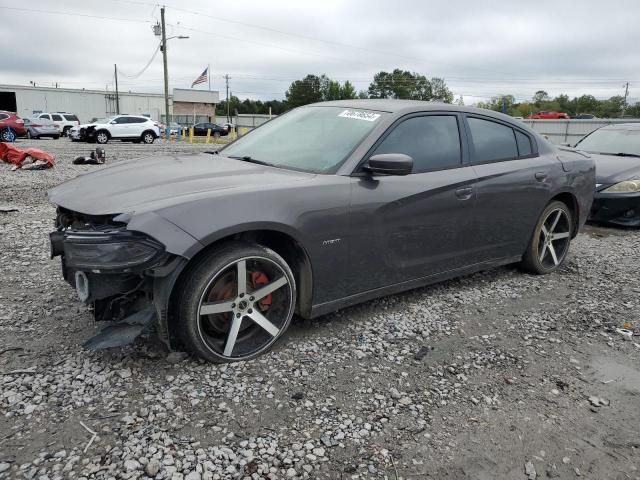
(616, 152)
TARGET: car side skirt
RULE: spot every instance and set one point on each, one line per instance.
(332, 306)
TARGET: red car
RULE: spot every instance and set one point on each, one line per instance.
(549, 116)
(11, 125)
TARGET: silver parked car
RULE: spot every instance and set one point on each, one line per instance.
(41, 127)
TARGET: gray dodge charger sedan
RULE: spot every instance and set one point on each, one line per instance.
(326, 206)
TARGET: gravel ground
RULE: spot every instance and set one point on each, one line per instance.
(495, 375)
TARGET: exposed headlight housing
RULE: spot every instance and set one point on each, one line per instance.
(100, 251)
(627, 186)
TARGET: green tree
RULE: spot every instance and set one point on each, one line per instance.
(348, 91)
(440, 91)
(587, 104)
(400, 84)
(610, 108)
(540, 97)
(305, 91)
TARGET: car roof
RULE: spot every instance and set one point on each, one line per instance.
(622, 126)
(401, 107)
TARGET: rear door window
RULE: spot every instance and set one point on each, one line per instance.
(491, 141)
(524, 144)
(56, 118)
(433, 141)
(71, 118)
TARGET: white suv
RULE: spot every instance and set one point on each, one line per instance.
(120, 127)
(64, 121)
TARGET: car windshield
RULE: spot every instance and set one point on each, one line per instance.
(612, 141)
(309, 139)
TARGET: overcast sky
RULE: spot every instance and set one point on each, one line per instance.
(481, 48)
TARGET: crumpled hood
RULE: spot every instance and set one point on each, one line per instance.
(152, 183)
(612, 169)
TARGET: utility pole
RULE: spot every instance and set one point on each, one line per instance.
(626, 94)
(226, 78)
(167, 120)
(115, 72)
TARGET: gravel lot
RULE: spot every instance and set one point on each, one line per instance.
(495, 375)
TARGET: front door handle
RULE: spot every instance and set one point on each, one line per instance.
(464, 193)
(541, 176)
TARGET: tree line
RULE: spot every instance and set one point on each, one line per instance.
(399, 84)
(542, 101)
(403, 84)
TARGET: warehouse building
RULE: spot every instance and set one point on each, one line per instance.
(188, 106)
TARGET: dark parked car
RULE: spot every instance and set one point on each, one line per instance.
(326, 206)
(200, 129)
(41, 127)
(616, 151)
(11, 126)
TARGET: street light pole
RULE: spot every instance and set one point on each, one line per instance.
(167, 120)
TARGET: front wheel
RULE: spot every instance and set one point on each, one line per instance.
(102, 137)
(549, 245)
(235, 302)
(148, 138)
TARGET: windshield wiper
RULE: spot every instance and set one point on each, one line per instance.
(247, 158)
(620, 154)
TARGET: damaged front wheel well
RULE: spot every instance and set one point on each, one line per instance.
(284, 245)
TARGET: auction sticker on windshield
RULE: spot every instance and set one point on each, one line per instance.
(360, 115)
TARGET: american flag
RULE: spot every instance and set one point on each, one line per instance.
(202, 78)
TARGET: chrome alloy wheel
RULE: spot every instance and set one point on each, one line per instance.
(244, 308)
(555, 234)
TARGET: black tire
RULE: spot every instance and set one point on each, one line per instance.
(148, 137)
(65, 131)
(216, 134)
(6, 135)
(29, 136)
(101, 137)
(211, 282)
(56, 137)
(548, 247)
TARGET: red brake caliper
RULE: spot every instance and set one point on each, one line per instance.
(259, 279)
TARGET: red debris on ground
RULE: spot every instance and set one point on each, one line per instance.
(28, 158)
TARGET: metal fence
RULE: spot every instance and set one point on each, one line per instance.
(252, 121)
(570, 131)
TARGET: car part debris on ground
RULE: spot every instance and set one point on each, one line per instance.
(97, 157)
(27, 159)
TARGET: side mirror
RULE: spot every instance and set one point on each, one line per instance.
(390, 164)
(566, 144)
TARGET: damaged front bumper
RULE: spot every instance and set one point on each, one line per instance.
(120, 273)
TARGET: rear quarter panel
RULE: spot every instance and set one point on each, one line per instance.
(580, 180)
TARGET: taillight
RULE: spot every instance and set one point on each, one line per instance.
(19, 121)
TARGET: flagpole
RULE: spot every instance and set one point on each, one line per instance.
(209, 75)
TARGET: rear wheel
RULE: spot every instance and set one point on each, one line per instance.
(56, 137)
(235, 303)
(29, 135)
(102, 137)
(65, 131)
(549, 245)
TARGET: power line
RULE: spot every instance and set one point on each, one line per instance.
(73, 14)
(144, 69)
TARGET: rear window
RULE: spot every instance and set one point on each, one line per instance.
(71, 118)
(56, 118)
(492, 141)
(3, 116)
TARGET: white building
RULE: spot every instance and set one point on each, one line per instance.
(88, 104)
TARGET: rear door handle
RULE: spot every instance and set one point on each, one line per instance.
(464, 193)
(541, 176)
